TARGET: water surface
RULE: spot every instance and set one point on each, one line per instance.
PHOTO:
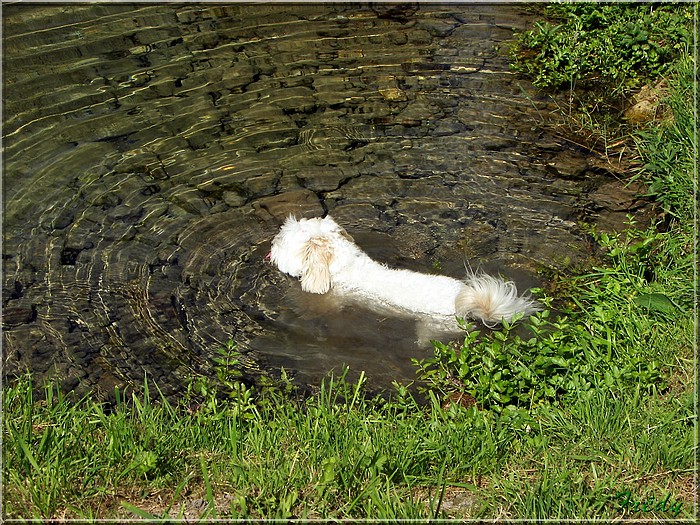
(152, 152)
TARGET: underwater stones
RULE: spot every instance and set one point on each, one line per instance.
(419, 37)
(439, 27)
(319, 178)
(299, 203)
(390, 90)
(416, 240)
(568, 165)
(261, 184)
(234, 199)
(425, 208)
(239, 75)
(478, 241)
(125, 213)
(400, 12)
(357, 212)
(398, 38)
(445, 128)
(191, 200)
(295, 100)
(61, 221)
(143, 192)
(16, 315)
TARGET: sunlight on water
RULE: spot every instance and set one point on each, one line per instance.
(151, 154)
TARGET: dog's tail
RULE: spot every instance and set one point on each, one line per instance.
(492, 300)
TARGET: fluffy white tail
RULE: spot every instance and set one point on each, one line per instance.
(492, 300)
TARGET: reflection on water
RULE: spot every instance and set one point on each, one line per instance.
(152, 151)
(308, 326)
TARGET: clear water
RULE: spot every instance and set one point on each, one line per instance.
(152, 152)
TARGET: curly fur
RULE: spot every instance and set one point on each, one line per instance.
(324, 257)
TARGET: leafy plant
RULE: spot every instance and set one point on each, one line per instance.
(605, 340)
(603, 45)
(227, 359)
(598, 54)
(556, 359)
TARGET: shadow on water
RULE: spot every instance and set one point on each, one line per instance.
(152, 152)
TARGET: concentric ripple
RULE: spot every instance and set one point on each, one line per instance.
(152, 151)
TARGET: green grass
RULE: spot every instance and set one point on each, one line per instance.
(337, 454)
(603, 426)
(669, 151)
(340, 455)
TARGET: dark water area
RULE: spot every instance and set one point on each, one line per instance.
(151, 152)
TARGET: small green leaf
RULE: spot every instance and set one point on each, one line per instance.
(608, 378)
(559, 361)
(655, 302)
(328, 470)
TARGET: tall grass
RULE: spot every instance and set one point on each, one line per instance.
(337, 454)
(340, 455)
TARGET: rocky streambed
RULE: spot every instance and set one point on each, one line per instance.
(151, 152)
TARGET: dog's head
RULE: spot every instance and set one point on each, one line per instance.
(304, 248)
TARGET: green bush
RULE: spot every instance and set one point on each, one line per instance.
(603, 45)
(558, 359)
(615, 334)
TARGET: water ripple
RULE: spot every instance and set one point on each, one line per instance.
(151, 153)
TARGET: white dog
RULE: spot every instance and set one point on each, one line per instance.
(323, 256)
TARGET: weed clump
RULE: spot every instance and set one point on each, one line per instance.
(602, 45)
(609, 61)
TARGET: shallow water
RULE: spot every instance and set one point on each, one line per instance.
(152, 152)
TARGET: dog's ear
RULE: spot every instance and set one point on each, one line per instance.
(316, 273)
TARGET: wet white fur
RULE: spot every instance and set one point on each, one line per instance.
(323, 256)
